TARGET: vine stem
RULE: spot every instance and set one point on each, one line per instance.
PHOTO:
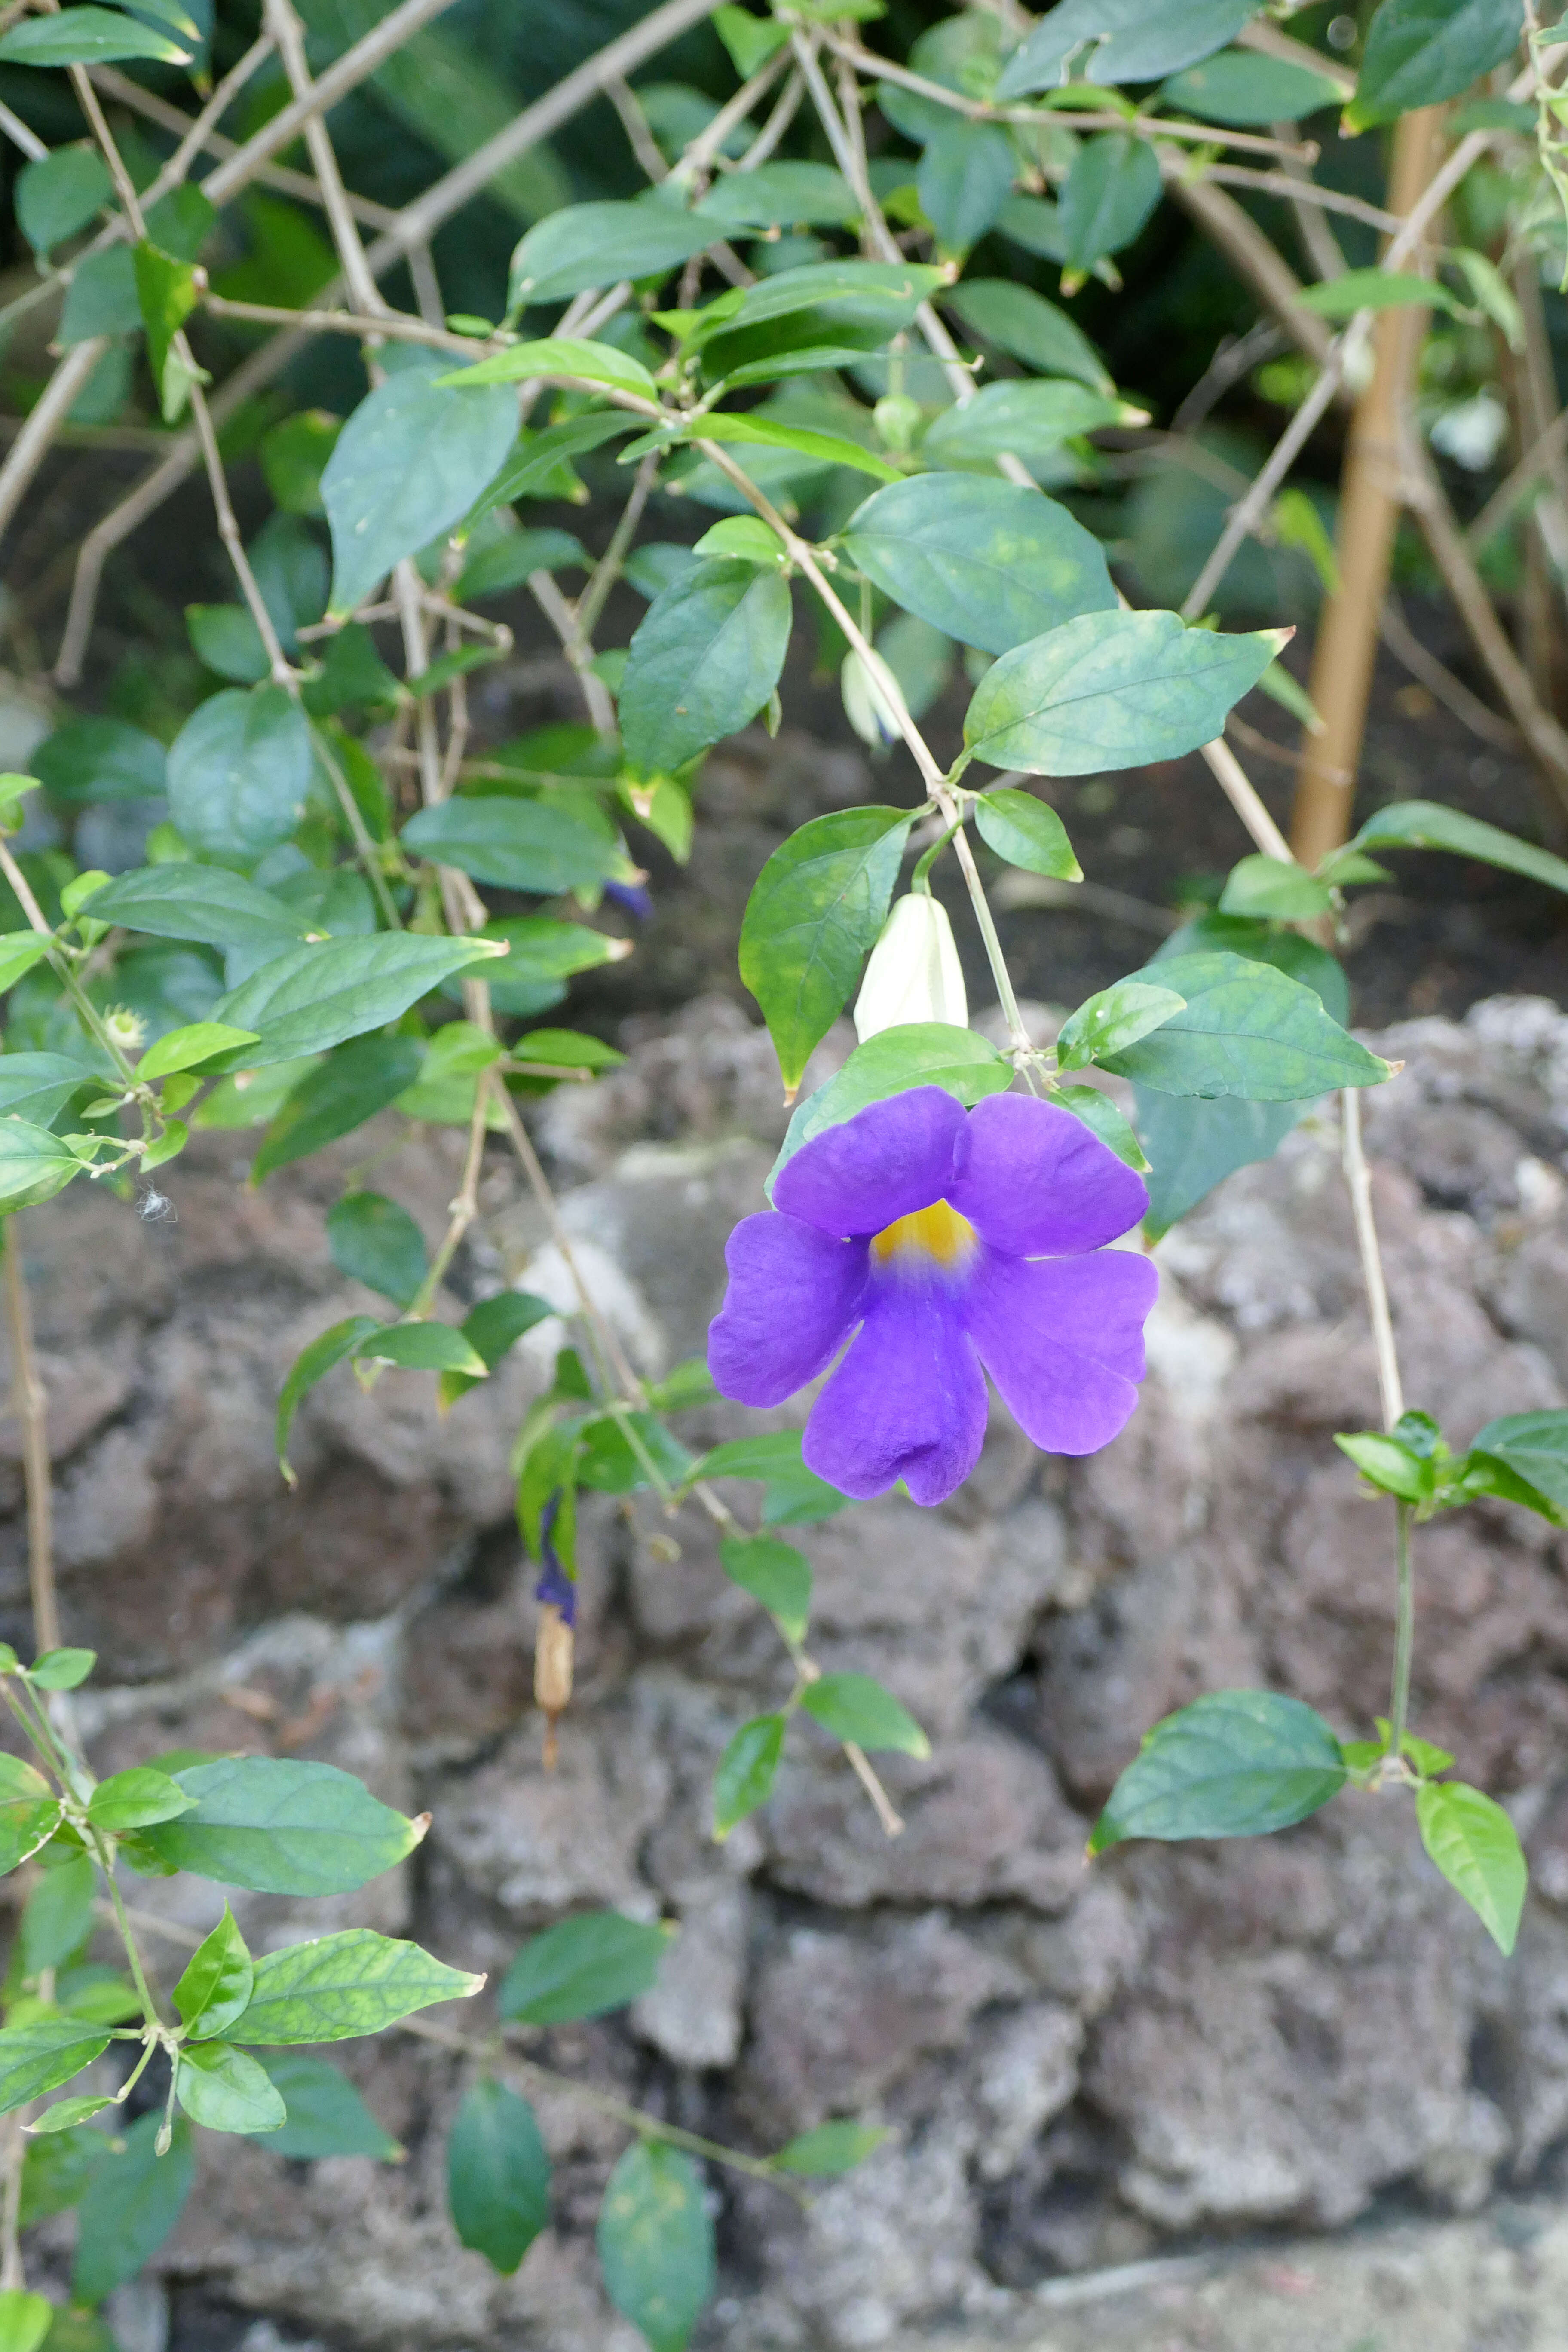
(32, 1410)
(1404, 1635)
(1358, 1183)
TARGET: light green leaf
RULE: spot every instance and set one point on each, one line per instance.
(1017, 321)
(1271, 890)
(239, 771)
(134, 1799)
(217, 1982)
(744, 1777)
(1027, 417)
(34, 1164)
(88, 36)
(498, 2174)
(1242, 87)
(1421, 51)
(313, 997)
(1389, 1465)
(312, 1364)
(1426, 824)
(1340, 299)
(1235, 1764)
(988, 562)
(856, 1707)
(595, 244)
(791, 1494)
(29, 1813)
(337, 1986)
(326, 2114)
(1534, 1446)
(421, 1348)
(1027, 832)
(19, 952)
(704, 660)
(1101, 1115)
(168, 292)
(518, 844)
(64, 2115)
(559, 355)
(771, 433)
(829, 2150)
(408, 466)
(225, 2090)
(812, 917)
(1111, 188)
(41, 2056)
(1249, 1031)
(744, 537)
(1113, 1020)
(282, 1826)
(583, 1968)
(132, 2202)
(1477, 1848)
(915, 1054)
(655, 2243)
(774, 1573)
(965, 178)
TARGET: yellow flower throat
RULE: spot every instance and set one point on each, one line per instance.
(938, 1232)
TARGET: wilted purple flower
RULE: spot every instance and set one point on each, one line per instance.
(943, 1241)
(555, 1586)
(636, 900)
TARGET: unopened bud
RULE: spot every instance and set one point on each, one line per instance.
(866, 703)
(898, 419)
(914, 974)
(553, 1649)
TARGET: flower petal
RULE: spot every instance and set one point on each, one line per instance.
(794, 1293)
(890, 1159)
(1063, 1339)
(908, 1402)
(1035, 1182)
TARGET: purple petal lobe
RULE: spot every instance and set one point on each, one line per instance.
(1035, 1182)
(1063, 1339)
(890, 1159)
(908, 1402)
(794, 1293)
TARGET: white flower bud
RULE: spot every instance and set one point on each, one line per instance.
(867, 705)
(914, 972)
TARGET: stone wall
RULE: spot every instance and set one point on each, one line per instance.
(1076, 2061)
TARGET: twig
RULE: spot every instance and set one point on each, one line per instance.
(1251, 255)
(607, 569)
(394, 325)
(702, 150)
(578, 651)
(1358, 1181)
(1440, 682)
(284, 24)
(786, 109)
(1538, 459)
(635, 123)
(21, 135)
(47, 413)
(30, 1401)
(13, 2153)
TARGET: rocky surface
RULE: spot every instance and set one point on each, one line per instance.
(1076, 2064)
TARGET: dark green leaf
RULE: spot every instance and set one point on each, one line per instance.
(326, 2114)
(1193, 1145)
(335, 1986)
(225, 2090)
(352, 676)
(1122, 40)
(539, 458)
(1113, 1021)
(34, 1164)
(225, 639)
(55, 2173)
(829, 2150)
(282, 1826)
(57, 1916)
(1421, 51)
(1112, 691)
(88, 36)
(206, 903)
(217, 1985)
(407, 466)
(791, 1494)
(965, 178)
(856, 1707)
(41, 2056)
(1247, 1029)
(132, 2202)
(1534, 1447)
(779, 196)
(1109, 191)
(1477, 1848)
(888, 292)
(812, 917)
(239, 771)
(134, 1799)
(314, 997)
(986, 561)
(541, 954)
(1235, 1764)
(99, 760)
(1030, 419)
(498, 2176)
(374, 1241)
(593, 245)
(1027, 832)
(744, 1777)
(58, 193)
(1241, 87)
(333, 1098)
(37, 1086)
(1026, 327)
(655, 2243)
(512, 557)
(583, 1968)
(704, 660)
(518, 844)
(774, 1573)
(1426, 825)
(312, 1364)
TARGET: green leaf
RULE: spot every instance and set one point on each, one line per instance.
(965, 178)
(771, 433)
(326, 2114)
(28, 1814)
(1426, 1757)
(225, 638)
(88, 36)
(744, 537)
(655, 2243)
(1112, 186)
(539, 460)
(1017, 321)
(774, 1573)
(1421, 51)
(292, 454)
(1027, 832)
(498, 2176)
(334, 1097)
(1235, 1764)
(705, 658)
(1339, 298)
(812, 919)
(779, 196)
(582, 1968)
(64, 2115)
(132, 2202)
(225, 2090)
(915, 1054)
(188, 1048)
(829, 2150)
(374, 1241)
(39, 1086)
(41, 2056)
(1241, 88)
(595, 244)
(99, 760)
(56, 2172)
(1390, 1466)
(886, 292)
(313, 997)
(744, 1777)
(58, 193)
(421, 1348)
(134, 1799)
(217, 1985)
(1477, 1848)
(281, 1826)
(560, 355)
(239, 771)
(750, 40)
(407, 466)
(205, 903)
(19, 952)
(1246, 1030)
(511, 559)
(1101, 1115)
(1426, 825)
(57, 1916)
(853, 1706)
(168, 291)
(1125, 40)
(791, 1494)
(311, 1365)
(986, 561)
(352, 1983)
(518, 844)
(34, 1164)
(1113, 1020)
(1534, 1447)
(1112, 691)
(1270, 889)
(1029, 418)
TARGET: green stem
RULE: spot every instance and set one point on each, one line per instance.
(1404, 1635)
(139, 1977)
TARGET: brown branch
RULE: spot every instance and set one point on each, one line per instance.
(30, 1402)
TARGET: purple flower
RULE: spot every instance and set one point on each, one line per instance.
(633, 897)
(554, 1585)
(938, 1241)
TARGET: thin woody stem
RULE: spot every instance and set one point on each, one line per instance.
(1358, 1181)
(31, 1401)
(1404, 1635)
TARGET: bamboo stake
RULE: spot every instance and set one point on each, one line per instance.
(1346, 643)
